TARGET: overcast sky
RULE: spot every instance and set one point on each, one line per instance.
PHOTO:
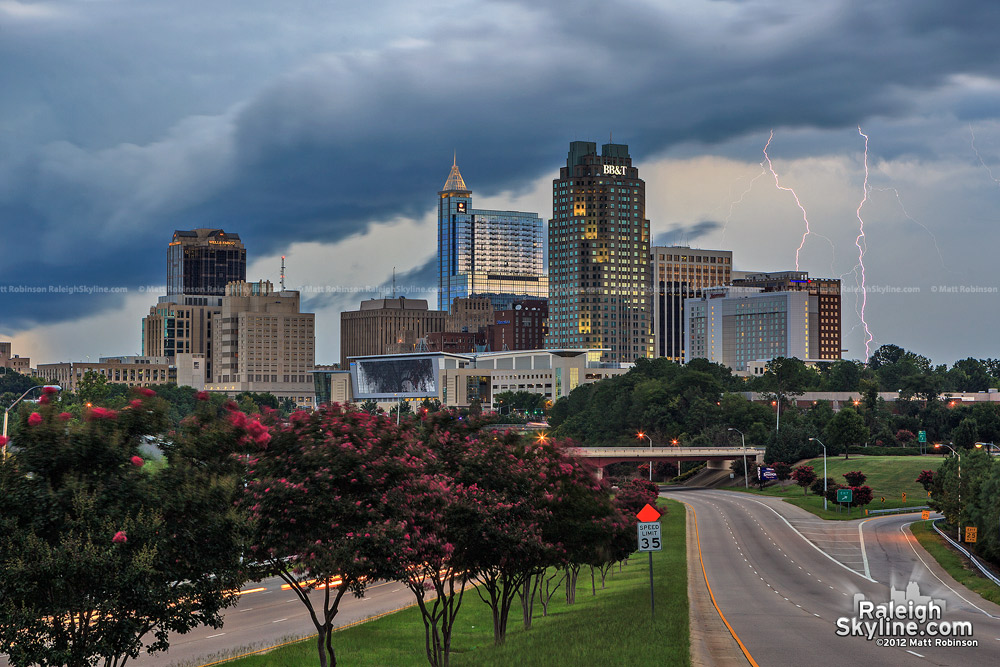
(323, 131)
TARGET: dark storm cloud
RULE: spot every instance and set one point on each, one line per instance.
(686, 234)
(361, 136)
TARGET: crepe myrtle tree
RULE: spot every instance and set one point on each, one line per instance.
(317, 492)
(804, 476)
(75, 500)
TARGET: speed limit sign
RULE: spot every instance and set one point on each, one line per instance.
(649, 536)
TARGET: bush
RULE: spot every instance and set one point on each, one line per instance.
(855, 478)
(862, 495)
(817, 486)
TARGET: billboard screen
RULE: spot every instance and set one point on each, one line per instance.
(388, 378)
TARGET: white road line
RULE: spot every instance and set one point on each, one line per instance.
(811, 544)
(280, 620)
(910, 540)
(217, 635)
(864, 554)
(914, 653)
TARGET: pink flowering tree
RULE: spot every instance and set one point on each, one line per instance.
(317, 492)
(74, 502)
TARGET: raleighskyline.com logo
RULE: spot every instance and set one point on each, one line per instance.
(906, 619)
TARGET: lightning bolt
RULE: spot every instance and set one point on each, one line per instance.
(733, 204)
(909, 217)
(805, 216)
(862, 244)
(980, 157)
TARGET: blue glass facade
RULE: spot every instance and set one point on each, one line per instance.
(485, 252)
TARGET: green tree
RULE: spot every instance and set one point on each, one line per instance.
(786, 377)
(966, 434)
(75, 501)
(93, 388)
(847, 428)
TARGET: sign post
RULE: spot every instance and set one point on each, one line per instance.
(649, 540)
(846, 496)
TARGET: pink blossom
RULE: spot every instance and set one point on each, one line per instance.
(138, 461)
(100, 413)
(120, 537)
(147, 392)
(201, 396)
(49, 390)
(44, 400)
(135, 403)
(35, 419)
(3, 440)
(65, 416)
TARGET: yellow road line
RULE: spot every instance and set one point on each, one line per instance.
(697, 537)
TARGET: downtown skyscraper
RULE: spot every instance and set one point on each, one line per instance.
(486, 253)
(599, 261)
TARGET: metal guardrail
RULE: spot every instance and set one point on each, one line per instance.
(899, 510)
(989, 575)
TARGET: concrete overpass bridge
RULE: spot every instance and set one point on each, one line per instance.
(716, 456)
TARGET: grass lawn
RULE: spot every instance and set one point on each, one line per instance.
(957, 565)
(611, 628)
(888, 476)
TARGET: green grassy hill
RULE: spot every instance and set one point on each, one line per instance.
(888, 476)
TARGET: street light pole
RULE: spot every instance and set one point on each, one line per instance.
(824, 470)
(980, 445)
(746, 482)
(938, 445)
(643, 435)
(6, 412)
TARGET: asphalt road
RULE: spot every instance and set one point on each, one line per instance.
(267, 615)
(783, 578)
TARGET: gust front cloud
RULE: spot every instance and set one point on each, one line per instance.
(345, 138)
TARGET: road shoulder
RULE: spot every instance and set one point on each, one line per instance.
(712, 645)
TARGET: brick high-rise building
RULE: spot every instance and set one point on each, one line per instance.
(826, 340)
(381, 323)
(599, 261)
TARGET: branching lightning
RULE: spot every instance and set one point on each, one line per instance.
(980, 157)
(862, 244)
(733, 204)
(805, 216)
(909, 217)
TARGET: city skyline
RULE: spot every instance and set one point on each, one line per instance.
(316, 133)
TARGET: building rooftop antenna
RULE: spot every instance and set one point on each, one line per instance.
(282, 281)
(394, 282)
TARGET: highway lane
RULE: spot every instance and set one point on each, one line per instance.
(266, 615)
(783, 593)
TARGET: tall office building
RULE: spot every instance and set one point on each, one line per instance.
(599, 268)
(200, 263)
(681, 273)
(263, 343)
(204, 261)
(495, 254)
(826, 334)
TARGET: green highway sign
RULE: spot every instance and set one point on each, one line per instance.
(922, 436)
(845, 495)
